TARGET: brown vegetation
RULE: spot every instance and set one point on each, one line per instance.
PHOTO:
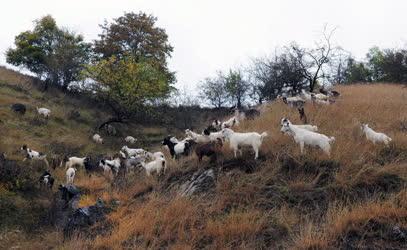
(355, 199)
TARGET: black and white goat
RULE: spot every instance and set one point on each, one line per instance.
(34, 155)
(47, 180)
(178, 147)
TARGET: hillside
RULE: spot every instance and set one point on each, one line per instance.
(355, 199)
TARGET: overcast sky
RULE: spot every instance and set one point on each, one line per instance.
(211, 35)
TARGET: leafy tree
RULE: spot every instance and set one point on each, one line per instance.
(356, 72)
(389, 65)
(135, 35)
(214, 90)
(126, 85)
(53, 54)
(236, 87)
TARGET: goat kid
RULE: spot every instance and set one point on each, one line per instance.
(97, 138)
(44, 112)
(70, 175)
(47, 180)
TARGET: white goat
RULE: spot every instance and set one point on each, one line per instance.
(306, 95)
(197, 137)
(237, 140)
(374, 136)
(158, 165)
(308, 127)
(133, 151)
(97, 138)
(75, 161)
(44, 112)
(70, 175)
(306, 137)
(320, 96)
(130, 139)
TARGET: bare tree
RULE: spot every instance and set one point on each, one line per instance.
(313, 61)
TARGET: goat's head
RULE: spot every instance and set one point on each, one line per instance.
(226, 132)
(364, 126)
(24, 147)
(284, 120)
(285, 128)
(167, 141)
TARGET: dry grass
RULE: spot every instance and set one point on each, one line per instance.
(270, 207)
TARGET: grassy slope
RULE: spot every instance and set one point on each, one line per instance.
(287, 200)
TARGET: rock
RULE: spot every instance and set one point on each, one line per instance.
(83, 218)
(200, 181)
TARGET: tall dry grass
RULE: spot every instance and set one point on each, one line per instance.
(265, 208)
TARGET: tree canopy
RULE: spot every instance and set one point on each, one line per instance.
(54, 54)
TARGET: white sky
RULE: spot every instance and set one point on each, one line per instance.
(211, 35)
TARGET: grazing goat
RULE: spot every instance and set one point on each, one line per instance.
(75, 161)
(374, 136)
(44, 112)
(306, 137)
(110, 165)
(158, 166)
(18, 108)
(197, 137)
(237, 140)
(306, 95)
(130, 139)
(320, 97)
(308, 127)
(132, 163)
(47, 180)
(34, 155)
(133, 151)
(70, 175)
(97, 138)
(177, 147)
(293, 101)
(209, 149)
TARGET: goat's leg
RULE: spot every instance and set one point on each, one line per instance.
(302, 147)
(256, 153)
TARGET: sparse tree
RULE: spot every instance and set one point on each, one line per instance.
(214, 90)
(313, 61)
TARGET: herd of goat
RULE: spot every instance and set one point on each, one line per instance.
(208, 143)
